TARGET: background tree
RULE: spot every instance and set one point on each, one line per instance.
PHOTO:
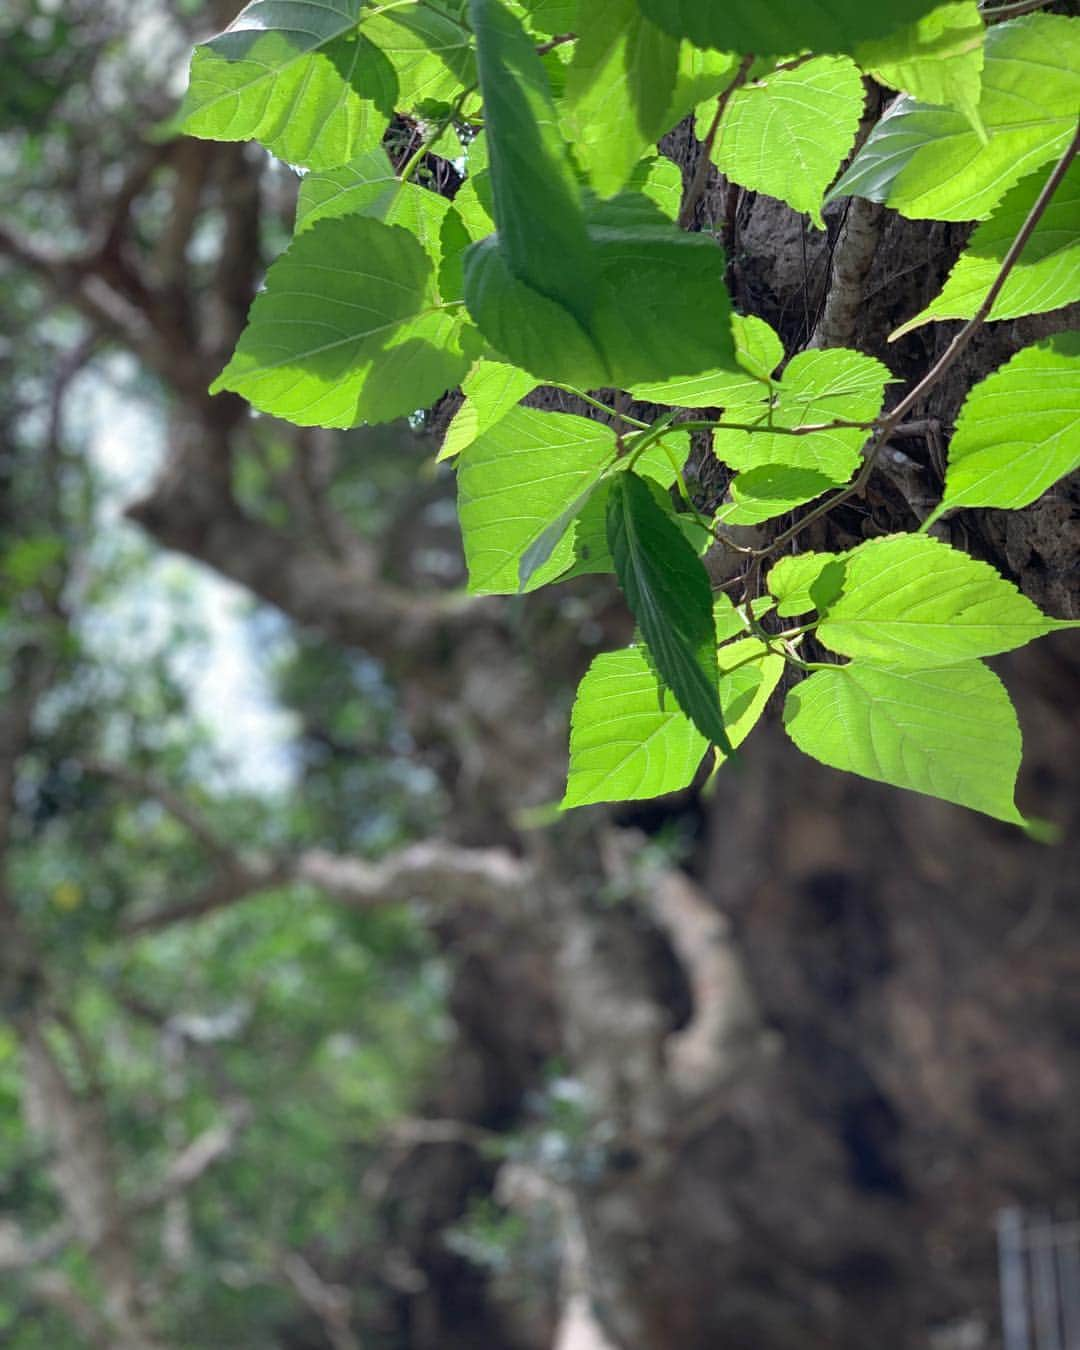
(387, 1056)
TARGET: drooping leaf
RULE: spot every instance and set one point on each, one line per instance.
(295, 75)
(368, 186)
(491, 389)
(630, 739)
(1019, 429)
(536, 200)
(618, 89)
(787, 134)
(912, 600)
(608, 298)
(514, 481)
(668, 592)
(929, 163)
(590, 543)
(806, 581)
(1047, 274)
(949, 732)
(937, 60)
(659, 306)
(781, 27)
(350, 328)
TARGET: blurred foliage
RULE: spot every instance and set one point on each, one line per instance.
(324, 1021)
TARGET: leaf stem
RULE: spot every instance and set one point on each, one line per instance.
(597, 403)
(418, 155)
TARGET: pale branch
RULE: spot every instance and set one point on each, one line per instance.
(345, 600)
(196, 1159)
(175, 803)
(852, 261)
(330, 1303)
(725, 1030)
(696, 189)
(434, 871)
(948, 358)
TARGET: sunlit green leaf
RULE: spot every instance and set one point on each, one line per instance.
(349, 329)
(514, 481)
(491, 389)
(938, 59)
(630, 739)
(930, 163)
(818, 387)
(806, 581)
(910, 599)
(618, 89)
(787, 134)
(1019, 429)
(949, 732)
(368, 186)
(430, 51)
(1047, 274)
(294, 75)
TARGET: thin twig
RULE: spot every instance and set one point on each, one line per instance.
(947, 359)
(544, 47)
(1013, 10)
(697, 184)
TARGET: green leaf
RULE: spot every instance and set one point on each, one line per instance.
(549, 18)
(771, 490)
(368, 186)
(659, 179)
(818, 387)
(780, 27)
(430, 51)
(929, 163)
(619, 86)
(537, 205)
(294, 75)
(1019, 429)
(668, 592)
(787, 134)
(758, 351)
(349, 329)
(912, 600)
(630, 739)
(1047, 274)
(806, 581)
(607, 299)
(491, 389)
(658, 304)
(514, 481)
(758, 348)
(700, 75)
(949, 732)
(938, 59)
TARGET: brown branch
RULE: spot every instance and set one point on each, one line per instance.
(696, 189)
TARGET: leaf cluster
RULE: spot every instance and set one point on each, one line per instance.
(565, 260)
